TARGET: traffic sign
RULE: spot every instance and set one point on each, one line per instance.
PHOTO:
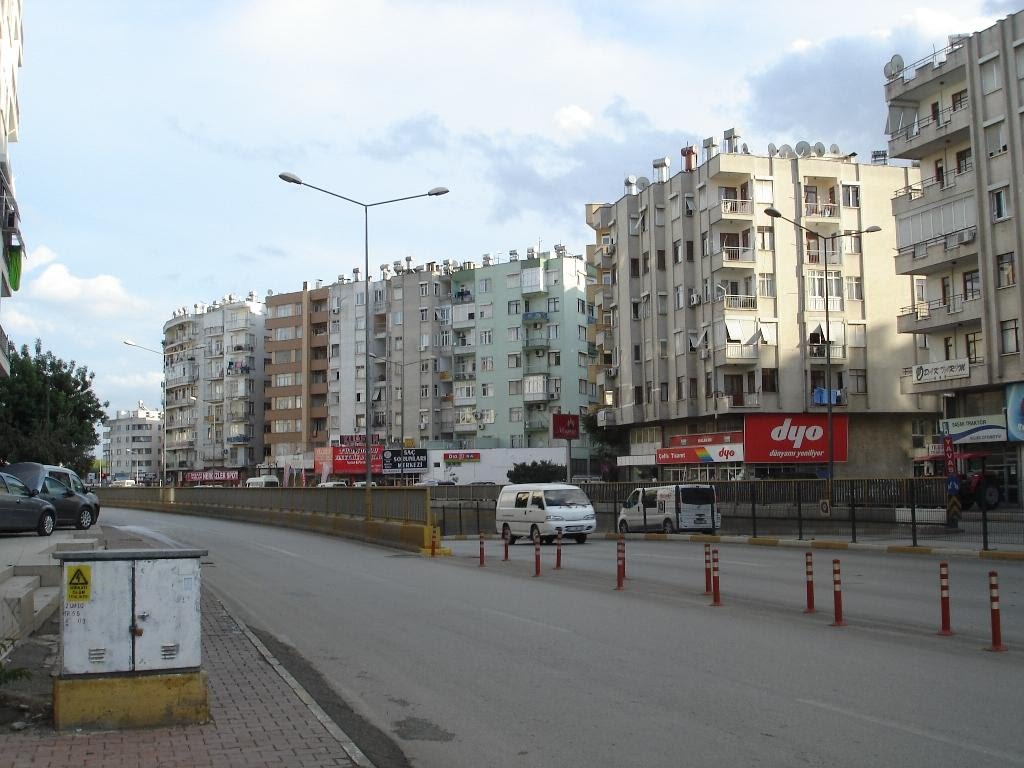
(950, 456)
(953, 485)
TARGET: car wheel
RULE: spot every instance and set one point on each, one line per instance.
(548, 540)
(623, 526)
(46, 524)
(506, 533)
(581, 538)
(667, 526)
(84, 519)
(535, 534)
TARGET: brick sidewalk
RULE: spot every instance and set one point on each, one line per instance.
(258, 719)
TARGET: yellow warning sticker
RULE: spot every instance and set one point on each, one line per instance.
(79, 587)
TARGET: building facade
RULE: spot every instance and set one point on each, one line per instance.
(734, 344)
(13, 247)
(959, 114)
(133, 444)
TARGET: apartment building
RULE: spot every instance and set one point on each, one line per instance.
(297, 348)
(10, 219)
(959, 114)
(732, 343)
(213, 376)
(133, 445)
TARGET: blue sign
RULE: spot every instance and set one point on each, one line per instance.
(953, 485)
(1015, 412)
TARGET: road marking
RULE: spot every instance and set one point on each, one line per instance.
(915, 731)
(529, 621)
(275, 549)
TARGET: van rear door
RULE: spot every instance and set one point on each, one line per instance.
(696, 504)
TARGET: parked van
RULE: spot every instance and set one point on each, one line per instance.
(129, 483)
(541, 510)
(263, 481)
(671, 508)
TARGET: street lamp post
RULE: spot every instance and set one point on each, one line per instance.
(291, 178)
(163, 419)
(776, 214)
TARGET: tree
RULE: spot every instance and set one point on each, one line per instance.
(606, 443)
(48, 411)
(536, 472)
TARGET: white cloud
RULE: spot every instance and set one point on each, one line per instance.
(22, 327)
(573, 121)
(100, 296)
(38, 258)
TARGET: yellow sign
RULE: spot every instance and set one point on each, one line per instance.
(79, 588)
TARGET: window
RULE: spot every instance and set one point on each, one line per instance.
(853, 242)
(515, 387)
(959, 100)
(513, 280)
(766, 284)
(634, 267)
(1009, 338)
(424, 315)
(513, 333)
(990, 80)
(677, 251)
(1005, 273)
(484, 285)
(975, 347)
(424, 291)
(485, 335)
(581, 333)
(688, 204)
(858, 381)
(553, 331)
(515, 413)
(582, 359)
(851, 196)
(636, 353)
(513, 307)
(515, 361)
(689, 251)
(972, 285)
(396, 318)
(766, 238)
(1000, 201)
(995, 138)
(854, 288)
(660, 256)
(963, 161)
(856, 335)
(763, 192)
(948, 347)
(635, 310)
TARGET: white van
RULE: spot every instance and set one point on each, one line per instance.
(541, 510)
(123, 483)
(263, 481)
(671, 508)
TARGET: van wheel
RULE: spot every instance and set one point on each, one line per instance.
(581, 538)
(667, 526)
(84, 519)
(623, 526)
(535, 534)
(506, 533)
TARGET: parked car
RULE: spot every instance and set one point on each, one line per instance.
(333, 484)
(67, 476)
(21, 511)
(80, 509)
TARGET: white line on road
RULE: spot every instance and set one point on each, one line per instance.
(274, 549)
(529, 621)
(1009, 756)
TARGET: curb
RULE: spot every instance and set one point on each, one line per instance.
(351, 750)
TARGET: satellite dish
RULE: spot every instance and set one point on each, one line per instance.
(897, 64)
(745, 149)
(803, 148)
(834, 150)
(887, 70)
(785, 151)
(643, 183)
(819, 149)
(772, 150)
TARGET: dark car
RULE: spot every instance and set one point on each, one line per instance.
(20, 510)
(73, 507)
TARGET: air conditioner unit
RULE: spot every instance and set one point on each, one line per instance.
(335, 311)
(705, 354)
(611, 373)
(929, 470)
(552, 395)
(694, 299)
(610, 249)
(967, 235)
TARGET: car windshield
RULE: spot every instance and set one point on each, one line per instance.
(566, 497)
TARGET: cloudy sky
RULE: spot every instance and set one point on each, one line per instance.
(152, 134)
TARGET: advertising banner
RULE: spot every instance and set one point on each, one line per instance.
(798, 438)
(565, 426)
(1015, 412)
(351, 459)
(712, 453)
(212, 475)
(975, 429)
(943, 370)
(405, 461)
(460, 457)
(709, 438)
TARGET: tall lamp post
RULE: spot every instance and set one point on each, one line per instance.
(163, 398)
(291, 178)
(776, 214)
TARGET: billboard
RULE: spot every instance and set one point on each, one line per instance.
(212, 475)
(351, 459)
(975, 429)
(798, 438)
(565, 426)
(1015, 412)
(710, 453)
(398, 461)
(707, 438)
(458, 457)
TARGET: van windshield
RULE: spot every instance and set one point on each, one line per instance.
(566, 497)
(696, 495)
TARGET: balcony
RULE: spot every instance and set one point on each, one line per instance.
(821, 212)
(536, 397)
(935, 254)
(732, 214)
(464, 347)
(464, 400)
(818, 256)
(940, 314)
(953, 183)
(820, 395)
(464, 322)
(977, 377)
(242, 439)
(738, 401)
(536, 342)
(928, 135)
(536, 425)
(739, 301)
(736, 352)
(926, 75)
(466, 426)
(535, 317)
(818, 354)
(606, 377)
(462, 296)
(606, 417)
(604, 297)
(733, 257)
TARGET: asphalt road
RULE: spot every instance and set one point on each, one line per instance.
(469, 666)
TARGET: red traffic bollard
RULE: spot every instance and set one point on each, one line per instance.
(837, 594)
(993, 594)
(481, 549)
(944, 598)
(536, 556)
(558, 550)
(620, 562)
(716, 593)
(707, 569)
(809, 567)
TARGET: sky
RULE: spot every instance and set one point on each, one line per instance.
(152, 134)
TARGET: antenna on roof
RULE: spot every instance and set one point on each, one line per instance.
(803, 148)
(819, 149)
(772, 150)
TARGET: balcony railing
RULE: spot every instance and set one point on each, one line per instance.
(822, 210)
(947, 180)
(913, 130)
(737, 207)
(816, 255)
(739, 301)
(821, 352)
(737, 254)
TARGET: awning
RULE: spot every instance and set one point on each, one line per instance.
(837, 332)
(734, 330)
(816, 330)
(900, 116)
(768, 333)
(697, 339)
(757, 338)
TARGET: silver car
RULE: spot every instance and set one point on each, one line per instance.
(21, 510)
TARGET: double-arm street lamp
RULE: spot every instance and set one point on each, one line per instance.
(163, 397)
(776, 214)
(291, 178)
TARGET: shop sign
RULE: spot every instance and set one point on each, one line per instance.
(798, 438)
(405, 461)
(565, 426)
(708, 438)
(1015, 412)
(212, 475)
(975, 429)
(712, 453)
(351, 459)
(943, 370)
(461, 457)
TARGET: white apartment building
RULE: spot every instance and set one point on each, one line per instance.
(214, 388)
(734, 344)
(133, 443)
(959, 114)
(13, 247)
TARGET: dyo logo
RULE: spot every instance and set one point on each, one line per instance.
(726, 453)
(796, 435)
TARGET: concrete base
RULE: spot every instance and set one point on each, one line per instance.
(130, 701)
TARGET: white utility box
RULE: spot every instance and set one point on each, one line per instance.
(130, 611)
